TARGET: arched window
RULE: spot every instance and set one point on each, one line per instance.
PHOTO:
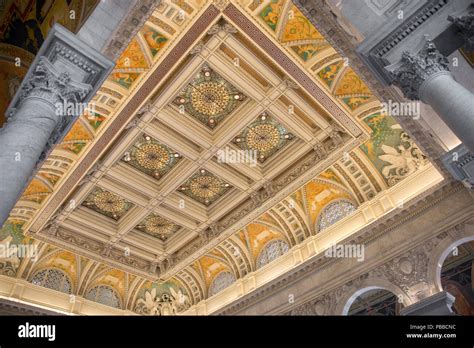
(105, 295)
(53, 278)
(376, 302)
(334, 212)
(222, 281)
(272, 251)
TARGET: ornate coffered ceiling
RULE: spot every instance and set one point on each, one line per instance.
(158, 184)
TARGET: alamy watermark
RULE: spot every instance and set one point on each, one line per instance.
(8, 251)
(37, 331)
(402, 109)
(229, 155)
(67, 108)
(356, 251)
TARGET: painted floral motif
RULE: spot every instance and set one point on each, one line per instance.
(132, 57)
(329, 73)
(271, 13)
(306, 52)
(299, 28)
(154, 40)
(351, 84)
(11, 234)
(355, 102)
(124, 79)
(95, 120)
(74, 146)
(36, 191)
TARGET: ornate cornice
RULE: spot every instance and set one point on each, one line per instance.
(8, 308)
(321, 16)
(129, 27)
(366, 236)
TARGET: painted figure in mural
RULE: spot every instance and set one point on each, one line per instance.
(27, 34)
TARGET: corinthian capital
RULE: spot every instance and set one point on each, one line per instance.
(56, 87)
(414, 69)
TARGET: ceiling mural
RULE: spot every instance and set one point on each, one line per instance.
(158, 188)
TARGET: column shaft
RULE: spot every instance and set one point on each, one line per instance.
(22, 141)
(453, 103)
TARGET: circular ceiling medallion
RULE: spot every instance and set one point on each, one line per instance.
(263, 137)
(205, 186)
(109, 202)
(152, 156)
(158, 225)
(210, 98)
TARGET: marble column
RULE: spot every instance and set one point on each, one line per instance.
(63, 77)
(425, 76)
(437, 304)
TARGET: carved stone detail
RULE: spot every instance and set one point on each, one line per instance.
(407, 271)
(197, 49)
(225, 27)
(415, 69)
(221, 4)
(49, 84)
(290, 83)
(465, 24)
(130, 27)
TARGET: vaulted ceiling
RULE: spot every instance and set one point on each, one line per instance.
(136, 196)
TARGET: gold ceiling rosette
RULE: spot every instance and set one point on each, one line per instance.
(209, 98)
(265, 136)
(158, 226)
(204, 187)
(151, 157)
(107, 203)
